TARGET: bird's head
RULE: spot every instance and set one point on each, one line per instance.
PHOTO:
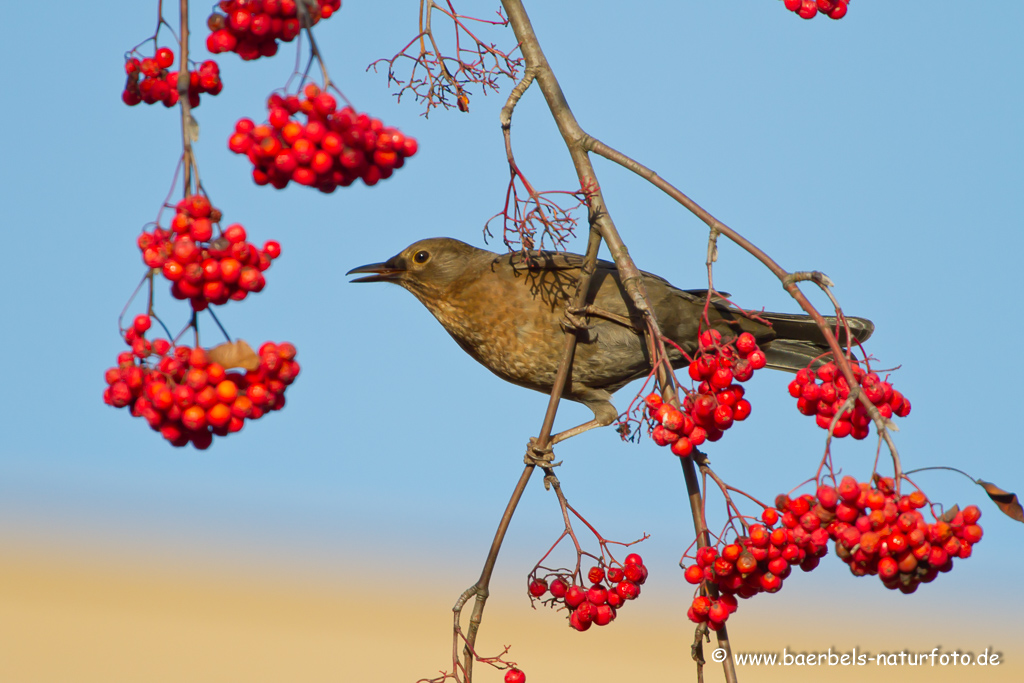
(425, 268)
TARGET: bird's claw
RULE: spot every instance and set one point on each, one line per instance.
(572, 320)
(537, 455)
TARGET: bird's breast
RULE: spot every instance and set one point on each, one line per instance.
(515, 337)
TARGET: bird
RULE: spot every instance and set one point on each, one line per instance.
(508, 312)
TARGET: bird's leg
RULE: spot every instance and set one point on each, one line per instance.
(572, 313)
(544, 457)
(577, 430)
(604, 415)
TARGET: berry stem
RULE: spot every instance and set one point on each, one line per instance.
(481, 588)
(939, 467)
(124, 311)
(564, 505)
(693, 492)
(213, 315)
(705, 469)
(307, 25)
(187, 123)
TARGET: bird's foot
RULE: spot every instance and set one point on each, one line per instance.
(540, 456)
(572, 320)
(573, 314)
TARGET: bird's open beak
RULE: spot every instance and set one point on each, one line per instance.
(380, 272)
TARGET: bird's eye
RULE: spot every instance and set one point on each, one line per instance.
(421, 257)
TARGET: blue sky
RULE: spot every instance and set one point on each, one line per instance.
(884, 149)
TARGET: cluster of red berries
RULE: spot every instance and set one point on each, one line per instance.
(876, 532)
(150, 81)
(758, 562)
(202, 269)
(610, 588)
(717, 403)
(825, 398)
(809, 8)
(251, 28)
(335, 147)
(186, 397)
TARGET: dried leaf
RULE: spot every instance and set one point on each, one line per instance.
(949, 514)
(1006, 501)
(236, 354)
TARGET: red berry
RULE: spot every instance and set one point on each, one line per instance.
(164, 57)
(577, 624)
(633, 558)
(201, 230)
(626, 590)
(235, 234)
(325, 103)
(141, 324)
(723, 417)
(710, 338)
(718, 612)
(849, 489)
(272, 248)
(694, 574)
(827, 497)
(597, 595)
(808, 9)
(770, 582)
(972, 533)
(604, 614)
(721, 378)
(682, 447)
(746, 343)
(575, 595)
(633, 572)
(971, 514)
(796, 388)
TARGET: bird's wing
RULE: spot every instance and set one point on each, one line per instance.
(552, 260)
(701, 293)
(563, 260)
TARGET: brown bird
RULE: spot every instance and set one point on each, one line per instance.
(507, 312)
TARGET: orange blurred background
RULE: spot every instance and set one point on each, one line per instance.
(111, 616)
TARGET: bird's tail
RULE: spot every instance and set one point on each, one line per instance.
(799, 342)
